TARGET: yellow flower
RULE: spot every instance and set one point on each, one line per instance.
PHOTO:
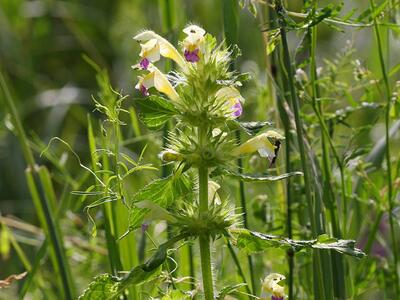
(166, 48)
(270, 285)
(193, 44)
(150, 53)
(233, 99)
(158, 80)
(266, 144)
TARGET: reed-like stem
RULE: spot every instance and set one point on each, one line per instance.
(337, 260)
(42, 204)
(387, 153)
(314, 218)
(231, 25)
(239, 267)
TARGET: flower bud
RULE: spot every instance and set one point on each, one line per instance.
(170, 155)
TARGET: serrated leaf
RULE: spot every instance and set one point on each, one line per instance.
(227, 290)
(104, 286)
(164, 191)
(155, 111)
(253, 177)
(136, 216)
(250, 128)
(107, 287)
(251, 241)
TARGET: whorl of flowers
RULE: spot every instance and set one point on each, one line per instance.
(205, 93)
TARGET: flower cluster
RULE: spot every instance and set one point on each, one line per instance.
(205, 93)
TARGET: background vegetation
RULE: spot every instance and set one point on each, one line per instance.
(343, 79)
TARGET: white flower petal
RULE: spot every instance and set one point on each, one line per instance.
(166, 48)
(194, 29)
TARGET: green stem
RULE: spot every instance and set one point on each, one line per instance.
(337, 260)
(314, 219)
(298, 122)
(288, 165)
(238, 266)
(388, 155)
(43, 206)
(205, 239)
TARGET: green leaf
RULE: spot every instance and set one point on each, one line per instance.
(176, 295)
(251, 177)
(136, 216)
(273, 40)
(230, 289)
(251, 242)
(250, 128)
(107, 287)
(155, 111)
(165, 191)
(104, 286)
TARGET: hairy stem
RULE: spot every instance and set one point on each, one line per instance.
(205, 254)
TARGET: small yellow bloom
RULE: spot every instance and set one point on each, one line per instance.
(233, 99)
(158, 80)
(193, 44)
(166, 48)
(150, 53)
(266, 144)
(270, 285)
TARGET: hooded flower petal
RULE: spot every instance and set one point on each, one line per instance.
(233, 99)
(266, 144)
(150, 53)
(270, 285)
(193, 44)
(194, 29)
(166, 48)
(158, 80)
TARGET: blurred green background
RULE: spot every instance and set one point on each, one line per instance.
(42, 43)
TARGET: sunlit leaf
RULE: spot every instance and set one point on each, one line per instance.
(155, 111)
(251, 241)
(104, 286)
(253, 177)
(273, 40)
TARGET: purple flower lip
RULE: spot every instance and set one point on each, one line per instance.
(144, 90)
(276, 298)
(144, 63)
(237, 109)
(192, 56)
